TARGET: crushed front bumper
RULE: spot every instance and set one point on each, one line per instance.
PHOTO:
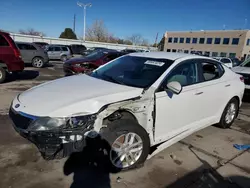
(54, 144)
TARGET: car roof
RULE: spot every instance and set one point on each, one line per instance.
(164, 55)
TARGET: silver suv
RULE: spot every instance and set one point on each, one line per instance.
(59, 52)
(31, 53)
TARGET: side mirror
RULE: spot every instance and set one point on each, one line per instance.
(175, 87)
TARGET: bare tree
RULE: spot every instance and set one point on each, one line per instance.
(136, 39)
(31, 31)
(97, 32)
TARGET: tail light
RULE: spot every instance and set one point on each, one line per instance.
(242, 79)
(17, 53)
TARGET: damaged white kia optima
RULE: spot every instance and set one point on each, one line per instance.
(133, 103)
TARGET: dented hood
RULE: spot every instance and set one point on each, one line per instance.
(241, 69)
(72, 95)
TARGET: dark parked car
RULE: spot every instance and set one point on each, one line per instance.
(90, 50)
(10, 57)
(77, 48)
(90, 62)
(129, 51)
(31, 53)
(41, 44)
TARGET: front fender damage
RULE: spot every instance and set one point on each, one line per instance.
(61, 143)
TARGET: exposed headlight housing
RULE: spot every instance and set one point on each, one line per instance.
(48, 123)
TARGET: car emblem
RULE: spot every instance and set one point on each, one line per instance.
(17, 105)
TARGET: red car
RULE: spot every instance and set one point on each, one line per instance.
(90, 62)
(10, 57)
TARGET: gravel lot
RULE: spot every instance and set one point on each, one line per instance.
(204, 159)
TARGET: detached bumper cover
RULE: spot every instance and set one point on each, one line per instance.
(54, 144)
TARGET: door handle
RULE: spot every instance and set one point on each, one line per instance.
(227, 85)
(199, 93)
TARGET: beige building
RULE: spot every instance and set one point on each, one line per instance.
(227, 43)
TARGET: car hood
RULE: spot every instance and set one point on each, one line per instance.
(239, 69)
(72, 95)
(79, 60)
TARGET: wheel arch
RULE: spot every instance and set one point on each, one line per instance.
(38, 57)
(119, 114)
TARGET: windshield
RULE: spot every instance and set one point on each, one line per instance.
(246, 63)
(95, 55)
(133, 71)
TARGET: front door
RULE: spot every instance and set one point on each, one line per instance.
(176, 114)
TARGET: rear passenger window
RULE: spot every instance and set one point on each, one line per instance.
(64, 49)
(57, 49)
(3, 41)
(211, 71)
(30, 47)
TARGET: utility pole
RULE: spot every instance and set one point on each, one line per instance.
(74, 24)
(84, 6)
(156, 38)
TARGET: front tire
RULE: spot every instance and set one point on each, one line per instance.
(37, 62)
(2, 75)
(229, 114)
(129, 144)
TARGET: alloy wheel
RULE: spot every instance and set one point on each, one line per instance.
(231, 112)
(126, 150)
(38, 62)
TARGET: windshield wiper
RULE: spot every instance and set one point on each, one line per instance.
(110, 78)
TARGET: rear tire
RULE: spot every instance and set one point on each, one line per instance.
(64, 58)
(129, 144)
(2, 75)
(229, 114)
(37, 62)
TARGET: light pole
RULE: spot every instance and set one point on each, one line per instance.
(84, 15)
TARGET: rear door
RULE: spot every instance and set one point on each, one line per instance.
(213, 89)
(57, 52)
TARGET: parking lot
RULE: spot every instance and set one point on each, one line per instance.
(205, 159)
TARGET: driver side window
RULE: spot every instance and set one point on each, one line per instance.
(186, 74)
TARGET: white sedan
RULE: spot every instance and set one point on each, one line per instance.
(132, 103)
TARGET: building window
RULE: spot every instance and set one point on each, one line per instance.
(235, 41)
(248, 42)
(209, 40)
(170, 40)
(168, 50)
(232, 55)
(175, 40)
(214, 54)
(181, 40)
(179, 50)
(226, 41)
(194, 41)
(217, 41)
(223, 54)
(202, 40)
(173, 50)
(187, 40)
(206, 53)
(186, 51)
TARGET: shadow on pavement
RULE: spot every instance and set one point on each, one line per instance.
(207, 177)
(25, 75)
(91, 167)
